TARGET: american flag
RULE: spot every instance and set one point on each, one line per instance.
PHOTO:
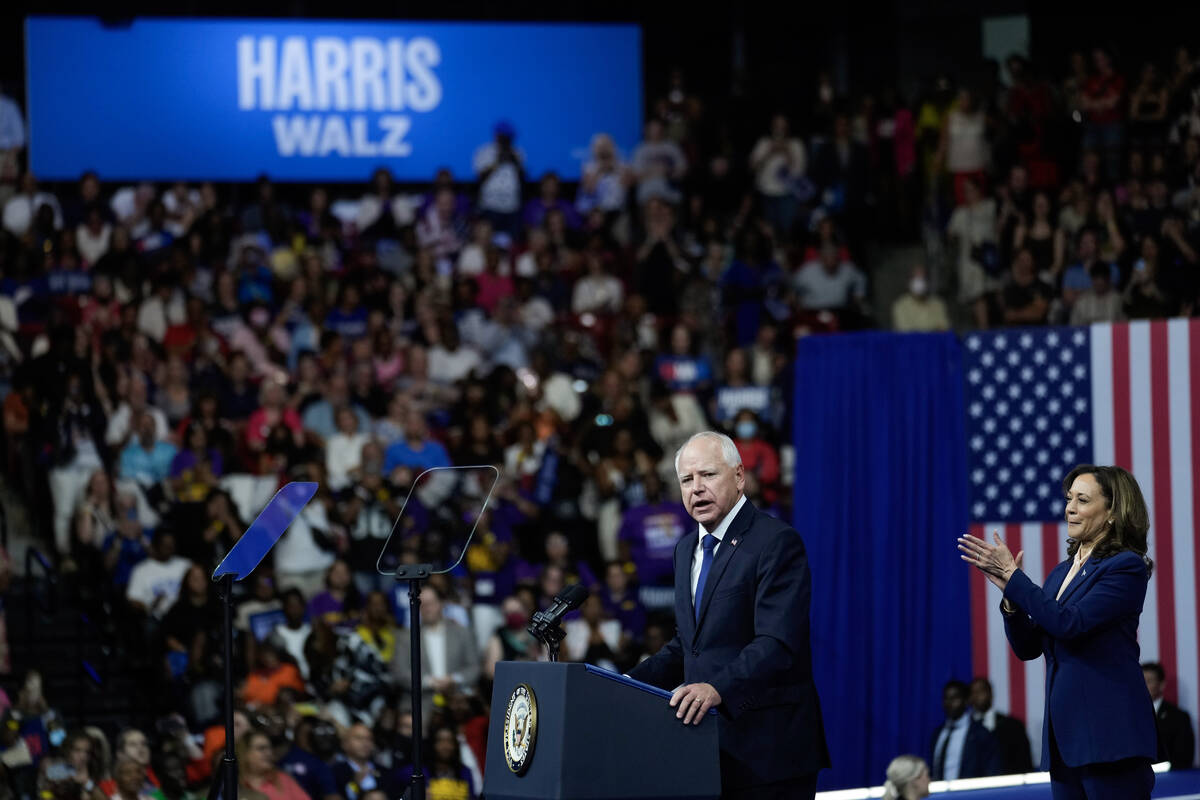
(1040, 401)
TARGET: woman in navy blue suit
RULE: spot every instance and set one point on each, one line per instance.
(1098, 735)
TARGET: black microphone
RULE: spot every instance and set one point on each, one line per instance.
(568, 599)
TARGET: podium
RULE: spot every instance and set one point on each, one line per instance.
(577, 732)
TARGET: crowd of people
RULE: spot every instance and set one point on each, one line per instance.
(171, 355)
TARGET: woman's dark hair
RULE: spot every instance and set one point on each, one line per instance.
(433, 734)
(1130, 520)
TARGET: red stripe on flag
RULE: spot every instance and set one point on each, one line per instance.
(1051, 548)
(979, 610)
(1016, 667)
(1122, 426)
(1160, 405)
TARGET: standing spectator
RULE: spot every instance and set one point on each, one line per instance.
(778, 161)
(446, 776)
(1176, 743)
(1100, 303)
(270, 676)
(649, 531)
(1150, 292)
(1025, 299)
(737, 392)
(594, 636)
(972, 231)
(416, 449)
(1077, 277)
(963, 151)
(962, 747)
(500, 168)
(22, 209)
(360, 670)
(147, 460)
(917, 309)
(759, 457)
(605, 179)
(511, 641)
(683, 369)
(154, 583)
(12, 144)
(621, 602)
(1009, 732)
(1148, 107)
(343, 451)
(830, 283)
(339, 599)
(599, 291)
(1042, 238)
(658, 163)
(1103, 105)
(291, 634)
(450, 659)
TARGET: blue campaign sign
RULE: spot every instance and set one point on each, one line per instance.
(231, 99)
(266, 529)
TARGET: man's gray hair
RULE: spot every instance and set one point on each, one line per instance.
(729, 450)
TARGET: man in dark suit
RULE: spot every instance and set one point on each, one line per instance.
(962, 747)
(1176, 742)
(741, 645)
(1009, 732)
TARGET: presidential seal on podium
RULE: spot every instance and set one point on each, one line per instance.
(520, 728)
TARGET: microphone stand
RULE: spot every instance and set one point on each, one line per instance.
(549, 635)
(414, 574)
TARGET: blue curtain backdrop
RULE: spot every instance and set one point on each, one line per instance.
(880, 497)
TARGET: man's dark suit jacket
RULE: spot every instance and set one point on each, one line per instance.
(1013, 742)
(752, 644)
(980, 754)
(1176, 743)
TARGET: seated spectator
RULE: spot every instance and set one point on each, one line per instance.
(1025, 299)
(356, 774)
(445, 775)
(154, 583)
(495, 284)
(128, 781)
(269, 676)
(829, 284)
(1011, 737)
(453, 660)
(599, 291)
(778, 161)
(907, 779)
(1100, 303)
(132, 773)
(318, 418)
(258, 774)
(442, 229)
(1176, 743)
(307, 769)
(84, 759)
(22, 207)
(738, 392)
(339, 599)
(962, 747)
(917, 309)
(593, 636)
(416, 450)
(621, 603)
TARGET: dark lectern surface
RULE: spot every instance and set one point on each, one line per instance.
(600, 736)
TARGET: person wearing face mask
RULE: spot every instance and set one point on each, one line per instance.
(510, 642)
(759, 457)
(918, 309)
(1098, 734)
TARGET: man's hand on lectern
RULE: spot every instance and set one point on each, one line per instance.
(693, 700)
